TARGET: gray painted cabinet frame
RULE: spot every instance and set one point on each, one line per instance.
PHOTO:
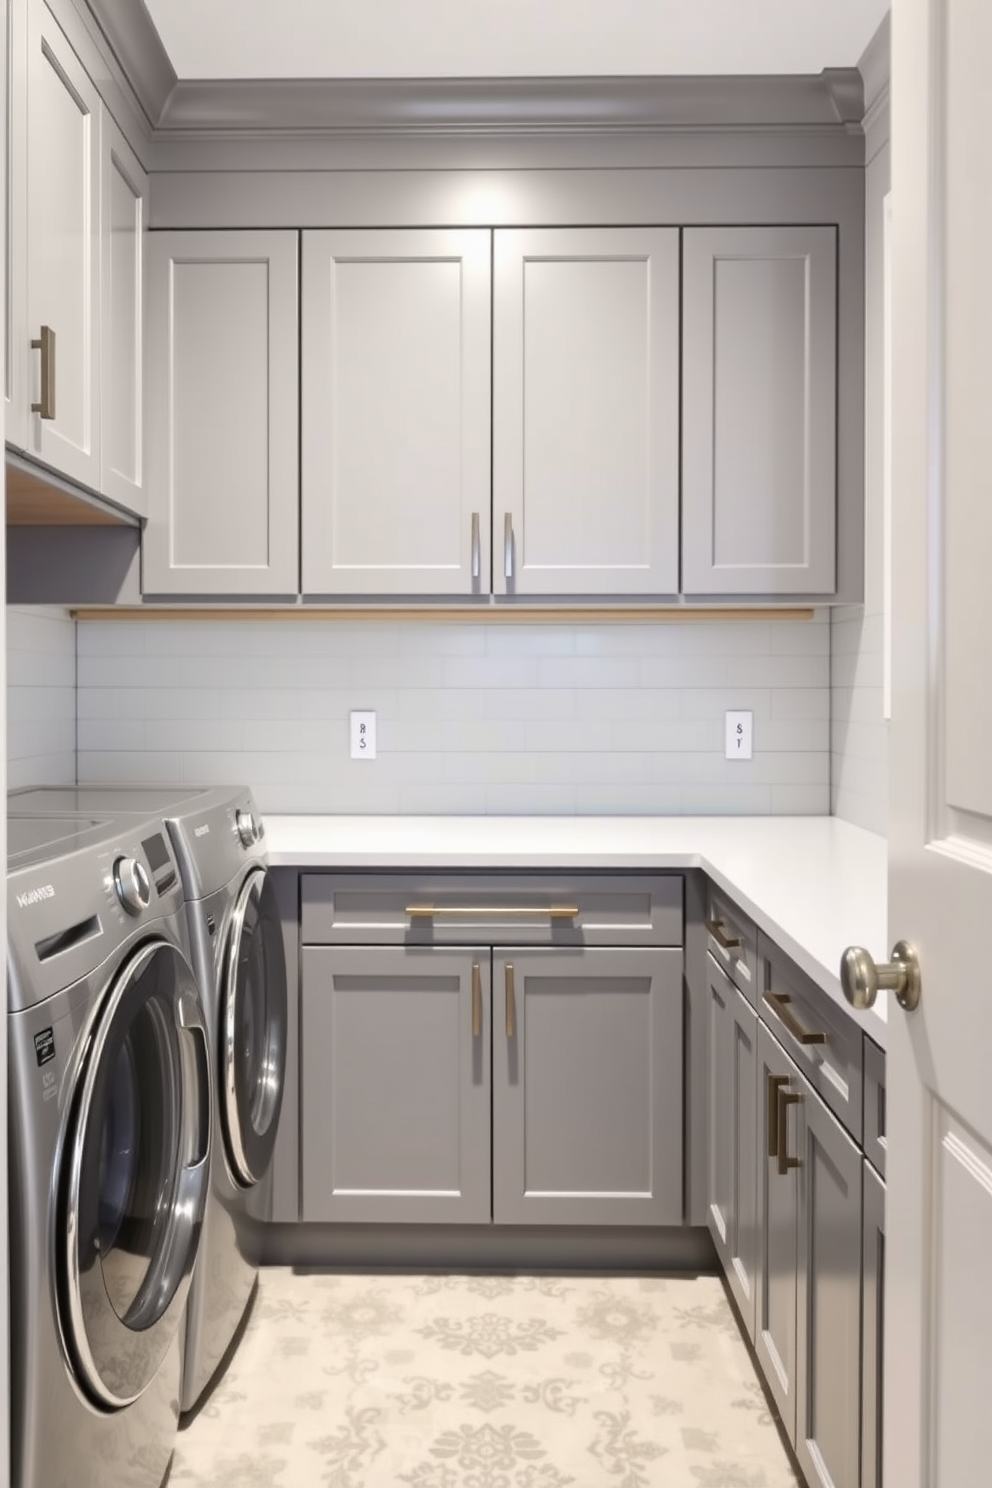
(732, 1212)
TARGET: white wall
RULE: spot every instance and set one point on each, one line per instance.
(859, 732)
(472, 717)
(41, 696)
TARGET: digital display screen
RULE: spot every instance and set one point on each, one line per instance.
(156, 852)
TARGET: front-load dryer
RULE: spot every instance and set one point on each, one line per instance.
(236, 948)
(109, 1137)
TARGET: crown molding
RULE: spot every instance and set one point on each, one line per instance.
(129, 32)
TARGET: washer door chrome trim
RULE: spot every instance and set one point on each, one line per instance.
(250, 1141)
(125, 1371)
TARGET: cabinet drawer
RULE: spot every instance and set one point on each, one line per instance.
(494, 908)
(733, 942)
(875, 1139)
(825, 1044)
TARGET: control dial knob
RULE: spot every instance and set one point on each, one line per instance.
(247, 828)
(132, 885)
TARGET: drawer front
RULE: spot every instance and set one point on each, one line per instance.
(491, 908)
(875, 1138)
(827, 1046)
(733, 942)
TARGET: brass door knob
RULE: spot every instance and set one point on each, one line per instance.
(861, 978)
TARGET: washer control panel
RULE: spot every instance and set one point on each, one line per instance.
(133, 886)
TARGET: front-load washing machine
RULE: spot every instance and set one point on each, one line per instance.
(236, 947)
(109, 1144)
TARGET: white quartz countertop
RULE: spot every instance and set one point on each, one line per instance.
(814, 884)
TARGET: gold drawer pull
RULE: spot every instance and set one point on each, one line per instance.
(553, 911)
(510, 1000)
(786, 1098)
(45, 343)
(476, 1000)
(779, 1002)
(774, 1083)
(724, 941)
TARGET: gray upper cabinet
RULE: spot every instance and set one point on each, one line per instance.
(396, 412)
(585, 411)
(61, 201)
(222, 414)
(732, 1169)
(759, 336)
(395, 1084)
(124, 203)
(587, 1086)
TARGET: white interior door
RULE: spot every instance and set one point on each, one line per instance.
(938, 1305)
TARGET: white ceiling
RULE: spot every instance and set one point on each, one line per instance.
(507, 38)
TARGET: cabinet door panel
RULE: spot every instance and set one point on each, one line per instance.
(396, 412)
(743, 1234)
(873, 1328)
(63, 269)
(719, 1183)
(395, 1110)
(18, 336)
(778, 1213)
(828, 1394)
(587, 1087)
(585, 411)
(222, 414)
(759, 410)
(124, 197)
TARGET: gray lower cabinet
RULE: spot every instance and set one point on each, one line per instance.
(808, 1337)
(395, 1084)
(873, 1320)
(587, 1086)
(732, 1166)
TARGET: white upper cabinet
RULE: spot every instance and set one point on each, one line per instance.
(585, 411)
(62, 190)
(759, 395)
(396, 412)
(221, 414)
(124, 197)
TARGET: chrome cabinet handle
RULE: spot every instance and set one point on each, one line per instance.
(476, 547)
(476, 1000)
(861, 977)
(508, 546)
(775, 1082)
(724, 941)
(509, 1000)
(45, 343)
(551, 911)
(786, 1098)
(779, 1003)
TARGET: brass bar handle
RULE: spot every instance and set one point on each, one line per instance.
(476, 1000)
(476, 547)
(508, 545)
(510, 1000)
(786, 1098)
(779, 1002)
(549, 911)
(775, 1082)
(45, 343)
(725, 942)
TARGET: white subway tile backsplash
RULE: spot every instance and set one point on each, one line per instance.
(473, 717)
(41, 697)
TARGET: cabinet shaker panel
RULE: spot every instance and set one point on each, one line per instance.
(872, 1328)
(585, 411)
(63, 254)
(222, 414)
(124, 200)
(396, 412)
(759, 419)
(587, 1086)
(778, 1219)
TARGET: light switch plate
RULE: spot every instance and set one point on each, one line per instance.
(740, 735)
(363, 736)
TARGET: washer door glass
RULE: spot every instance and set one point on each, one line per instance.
(253, 1030)
(134, 1175)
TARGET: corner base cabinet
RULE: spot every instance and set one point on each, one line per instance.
(477, 1060)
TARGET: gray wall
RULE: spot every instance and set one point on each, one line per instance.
(859, 733)
(41, 697)
(500, 718)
